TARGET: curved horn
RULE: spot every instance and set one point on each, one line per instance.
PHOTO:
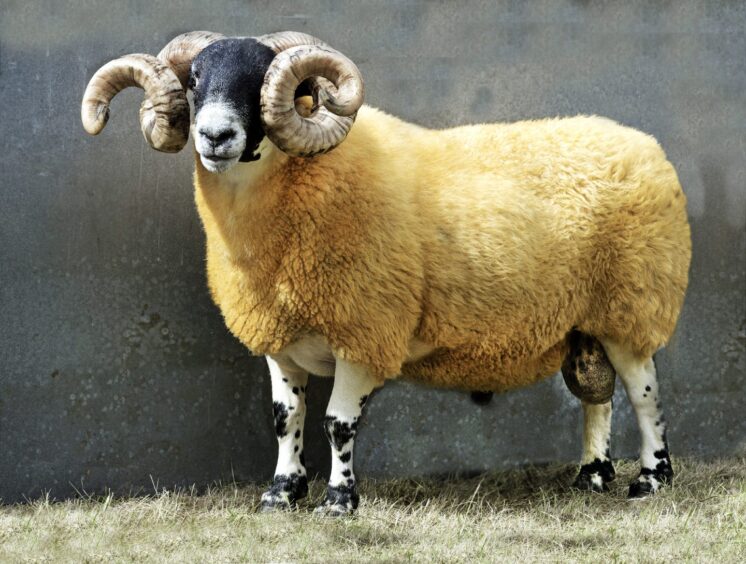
(164, 114)
(181, 50)
(300, 57)
(282, 40)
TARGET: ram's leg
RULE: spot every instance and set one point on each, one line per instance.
(289, 407)
(639, 378)
(595, 466)
(352, 386)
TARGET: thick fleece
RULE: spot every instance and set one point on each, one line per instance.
(488, 242)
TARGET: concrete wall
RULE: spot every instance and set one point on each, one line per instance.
(116, 369)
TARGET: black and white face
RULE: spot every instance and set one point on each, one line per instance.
(226, 80)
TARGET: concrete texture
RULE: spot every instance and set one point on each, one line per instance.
(115, 368)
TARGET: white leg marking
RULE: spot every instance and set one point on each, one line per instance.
(596, 431)
(352, 386)
(289, 410)
(641, 384)
(596, 467)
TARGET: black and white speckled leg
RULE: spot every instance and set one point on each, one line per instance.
(596, 468)
(290, 483)
(352, 386)
(641, 383)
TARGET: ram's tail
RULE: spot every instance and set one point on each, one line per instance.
(482, 398)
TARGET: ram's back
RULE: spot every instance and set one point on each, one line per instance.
(533, 228)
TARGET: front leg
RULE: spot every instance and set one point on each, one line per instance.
(352, 386)
(289, 408)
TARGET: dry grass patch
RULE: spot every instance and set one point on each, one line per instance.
(527, 515)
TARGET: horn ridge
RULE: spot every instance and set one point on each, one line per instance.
(164, 114)
(181, 50)
(339, 90)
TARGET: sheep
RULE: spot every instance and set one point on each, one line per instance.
(483, 257)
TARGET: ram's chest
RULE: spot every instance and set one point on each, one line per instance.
(249, 244)
(261, 308)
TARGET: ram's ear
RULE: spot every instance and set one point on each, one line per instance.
(307, 95)
(192, 76)
(304, 106)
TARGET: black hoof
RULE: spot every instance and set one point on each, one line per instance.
(590, 483)
(594, 476)
(650, 481)
(276, 504)
(640, 489)
(284, 493)
(333, 511)
(340, 501)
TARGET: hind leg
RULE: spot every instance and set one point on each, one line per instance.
(590, 376)
(641, 383)
(596, 468)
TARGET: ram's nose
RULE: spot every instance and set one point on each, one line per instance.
(217, 137)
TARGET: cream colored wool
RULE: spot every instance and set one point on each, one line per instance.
(489, 242)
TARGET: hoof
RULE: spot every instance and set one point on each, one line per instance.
(643, 487)
(594, 476)
(335, 510)
(340, 501)
(646, 485)
(275, 505)
(590, 483)
(651, 480)
(284, 493)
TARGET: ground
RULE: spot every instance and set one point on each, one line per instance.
(526, 515)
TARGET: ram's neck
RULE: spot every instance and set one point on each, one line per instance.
(241, 180)
(232, 205)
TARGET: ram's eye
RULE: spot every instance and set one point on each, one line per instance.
(193, 79)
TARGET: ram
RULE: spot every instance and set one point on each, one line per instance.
(483, 257)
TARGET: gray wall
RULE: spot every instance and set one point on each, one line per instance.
(115, 368)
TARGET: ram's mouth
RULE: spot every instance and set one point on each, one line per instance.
(216, 163)
(217, 158)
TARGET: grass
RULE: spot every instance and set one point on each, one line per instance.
(521, 515)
